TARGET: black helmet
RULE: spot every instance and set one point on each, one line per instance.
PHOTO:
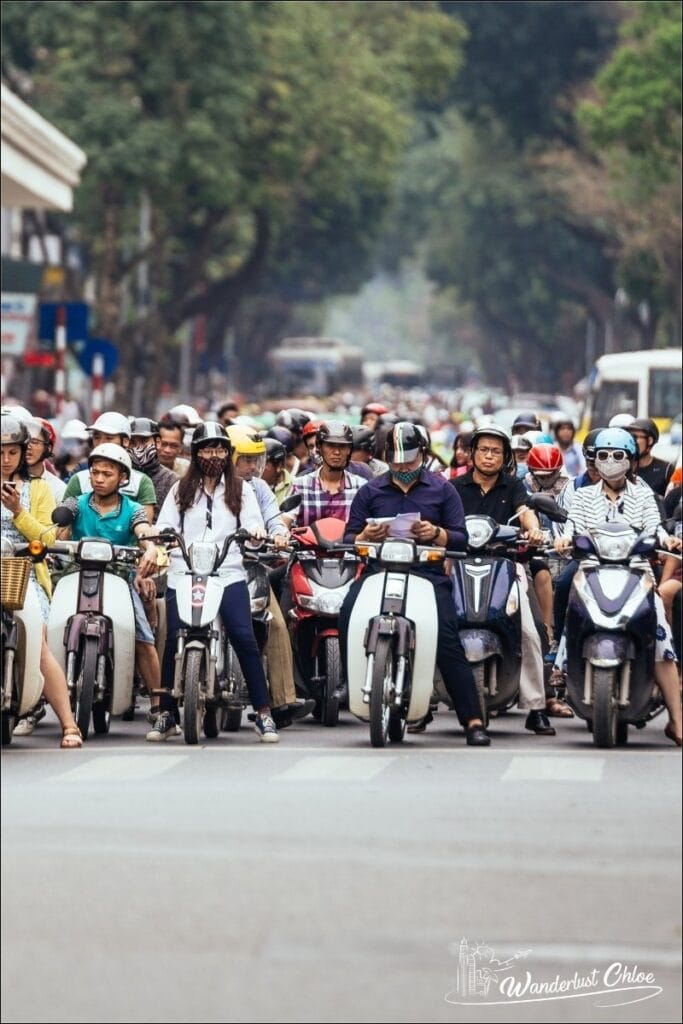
(387, 420)
(13, 431)
(405, 441)
(588, 446)
(492, 430)
(275, 451)
(283, 435)
(141, 426)
(645, 426)
(363, 439)
(335, 432)
(294, 419)
(526, 421)
(209, 433)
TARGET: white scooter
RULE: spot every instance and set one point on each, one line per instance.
(91, 627)
(392, 639)
(22, 624)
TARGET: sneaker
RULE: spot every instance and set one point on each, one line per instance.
(24, 726)
(265, 727)
(164, 726)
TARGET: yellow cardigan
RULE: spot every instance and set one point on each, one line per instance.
(34, 522)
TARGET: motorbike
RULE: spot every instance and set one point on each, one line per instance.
(487, 602)
(201, 682)
(91, 626)
(392, 638)
(320, 572)
(610, 632)
(22, 623)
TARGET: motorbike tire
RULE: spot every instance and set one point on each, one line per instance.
(193, 713)
(87, 675)
(329, 703)
(382, 674)
(101, 719)
(8, 723)
(605, 711)
(622, 733)
(480, 678)
(210, 723)
(397, 726)
(231, 719)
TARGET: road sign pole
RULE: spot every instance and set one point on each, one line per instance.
(60, 350)
(97, 384)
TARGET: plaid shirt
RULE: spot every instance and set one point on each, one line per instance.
(317, 503)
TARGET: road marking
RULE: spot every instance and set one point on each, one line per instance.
(120, 769)
(334, 769)
(554, 769)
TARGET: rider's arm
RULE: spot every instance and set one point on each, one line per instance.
(147, 496)
(34, 523)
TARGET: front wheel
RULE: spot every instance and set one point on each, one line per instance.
(193, 677)
(397, 726)
(605, 708)
(86, 683)
(381, 689)
(329, 702)
(8, 723)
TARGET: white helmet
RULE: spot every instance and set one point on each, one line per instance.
(185, 413)
(622, 419)
(75, 430)
(112, 423)
(18, 411)
(112, 453)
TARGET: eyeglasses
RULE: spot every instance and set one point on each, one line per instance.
(603, 455)
(485, 450)
(34, 441)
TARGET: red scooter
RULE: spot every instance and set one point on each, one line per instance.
(321, 570)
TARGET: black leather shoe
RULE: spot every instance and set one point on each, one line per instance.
(537, 721)
(281, 716)
(477, 736)
(301, 709)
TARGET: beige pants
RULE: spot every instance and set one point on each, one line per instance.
(279, 655)
(531, 687)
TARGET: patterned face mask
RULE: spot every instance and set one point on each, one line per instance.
(213, 466)
(406, 476)
(144, 456)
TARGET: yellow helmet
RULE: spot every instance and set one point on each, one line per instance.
(245, 441)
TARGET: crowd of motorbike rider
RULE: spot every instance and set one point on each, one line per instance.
(127, 479)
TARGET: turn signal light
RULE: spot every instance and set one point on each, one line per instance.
(36, 548)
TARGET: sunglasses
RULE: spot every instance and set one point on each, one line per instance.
(617, 456)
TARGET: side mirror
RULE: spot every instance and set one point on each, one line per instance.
(548, 507)
(63, 516)
(290, 503)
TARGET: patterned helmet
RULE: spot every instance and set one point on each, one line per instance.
(405, 441)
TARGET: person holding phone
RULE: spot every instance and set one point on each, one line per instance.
(26, 515)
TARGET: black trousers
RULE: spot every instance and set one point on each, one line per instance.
(450, 656)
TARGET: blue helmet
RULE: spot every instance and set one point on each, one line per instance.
(616, 438)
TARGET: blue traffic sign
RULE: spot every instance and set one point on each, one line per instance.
(76, 321)
(85, 351)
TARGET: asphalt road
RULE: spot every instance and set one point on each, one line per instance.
(322, 880)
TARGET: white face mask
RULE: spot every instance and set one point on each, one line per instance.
(611, 470)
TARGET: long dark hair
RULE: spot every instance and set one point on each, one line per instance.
(192, 483)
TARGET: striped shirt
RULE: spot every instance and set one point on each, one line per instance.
(590, 507)
(317, 503)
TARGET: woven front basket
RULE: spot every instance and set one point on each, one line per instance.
(15, 574)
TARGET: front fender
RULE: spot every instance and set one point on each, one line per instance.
(608, 650)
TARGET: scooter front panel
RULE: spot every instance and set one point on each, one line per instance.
(118, 606)
(29, 629)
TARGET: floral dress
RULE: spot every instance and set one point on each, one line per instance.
(10, 531)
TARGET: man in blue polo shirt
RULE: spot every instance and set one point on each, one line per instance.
(409, 487)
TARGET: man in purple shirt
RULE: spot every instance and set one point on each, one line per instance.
(409, 487)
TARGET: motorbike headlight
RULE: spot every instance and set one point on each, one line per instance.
(327, 604)
(397, 551)
(613, 547)
(203, 555)
(479, 531)
(95, 551)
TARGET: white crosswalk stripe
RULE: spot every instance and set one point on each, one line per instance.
(334, 769)
(134, 767)
(538, 768)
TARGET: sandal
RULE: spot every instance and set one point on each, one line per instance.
(555, 707)
(72, 738)
(671, 735)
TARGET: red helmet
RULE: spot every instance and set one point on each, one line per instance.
(311, 428)
(375, 407)
(544, 458)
